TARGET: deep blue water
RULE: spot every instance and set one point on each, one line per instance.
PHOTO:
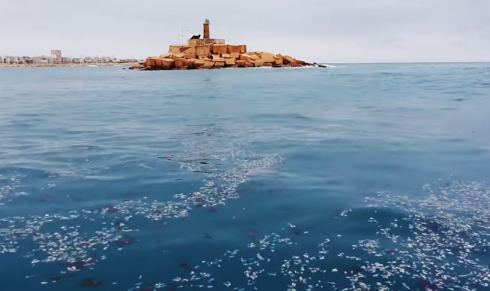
(363, 176)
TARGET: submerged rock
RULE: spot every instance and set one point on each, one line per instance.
(134, 67)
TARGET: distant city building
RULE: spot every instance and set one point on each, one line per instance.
(56, 54)
(55, 57)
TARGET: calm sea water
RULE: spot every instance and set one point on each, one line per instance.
(359, 176)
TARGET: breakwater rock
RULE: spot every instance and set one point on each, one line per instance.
(215, 56)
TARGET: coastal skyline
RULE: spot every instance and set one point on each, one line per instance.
(323, 31)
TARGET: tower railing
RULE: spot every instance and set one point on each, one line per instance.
(194, 42)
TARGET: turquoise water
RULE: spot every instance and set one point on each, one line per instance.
(358, 176)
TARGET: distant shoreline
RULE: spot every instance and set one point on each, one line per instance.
(67, 65)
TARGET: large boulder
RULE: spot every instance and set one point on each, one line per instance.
(189, 63)
(184, 48)
(219, 64)
(258, 63)
(219, 49)
(150, 62)
(193, 42)
(158, 63)
(161, 63)
(267, 57)
(226, 56)
(249, 64)
(235, 55)
(217, 58)
(190, 53)
(249, 56)
(287, 59)
(198, 63)
(167, 56)
(175, 49)
(167, 64)
(233, 49)
(301, 63)
(240, 63)
(178, 56)
(203, 51)
(245, 57)
(278, 61)
(229, 61)
(207, 65)
(267, 64)
(179, 62)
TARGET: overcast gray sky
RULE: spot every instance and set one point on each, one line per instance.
(313, 30)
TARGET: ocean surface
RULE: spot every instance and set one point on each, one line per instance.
(355, 177)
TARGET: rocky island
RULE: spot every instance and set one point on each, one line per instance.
(208, 53)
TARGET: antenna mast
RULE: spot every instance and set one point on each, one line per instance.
(182, 37)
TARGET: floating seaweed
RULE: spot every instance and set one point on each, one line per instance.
(89, 282)
(252, 233)
(431, 258)
(186, 266)
(437, 241)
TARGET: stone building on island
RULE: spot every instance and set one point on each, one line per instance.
(209, 53)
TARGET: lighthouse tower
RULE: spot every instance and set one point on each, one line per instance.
(206, 29)
(206, 40)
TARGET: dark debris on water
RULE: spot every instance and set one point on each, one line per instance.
(90, 283)
(437, 243)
